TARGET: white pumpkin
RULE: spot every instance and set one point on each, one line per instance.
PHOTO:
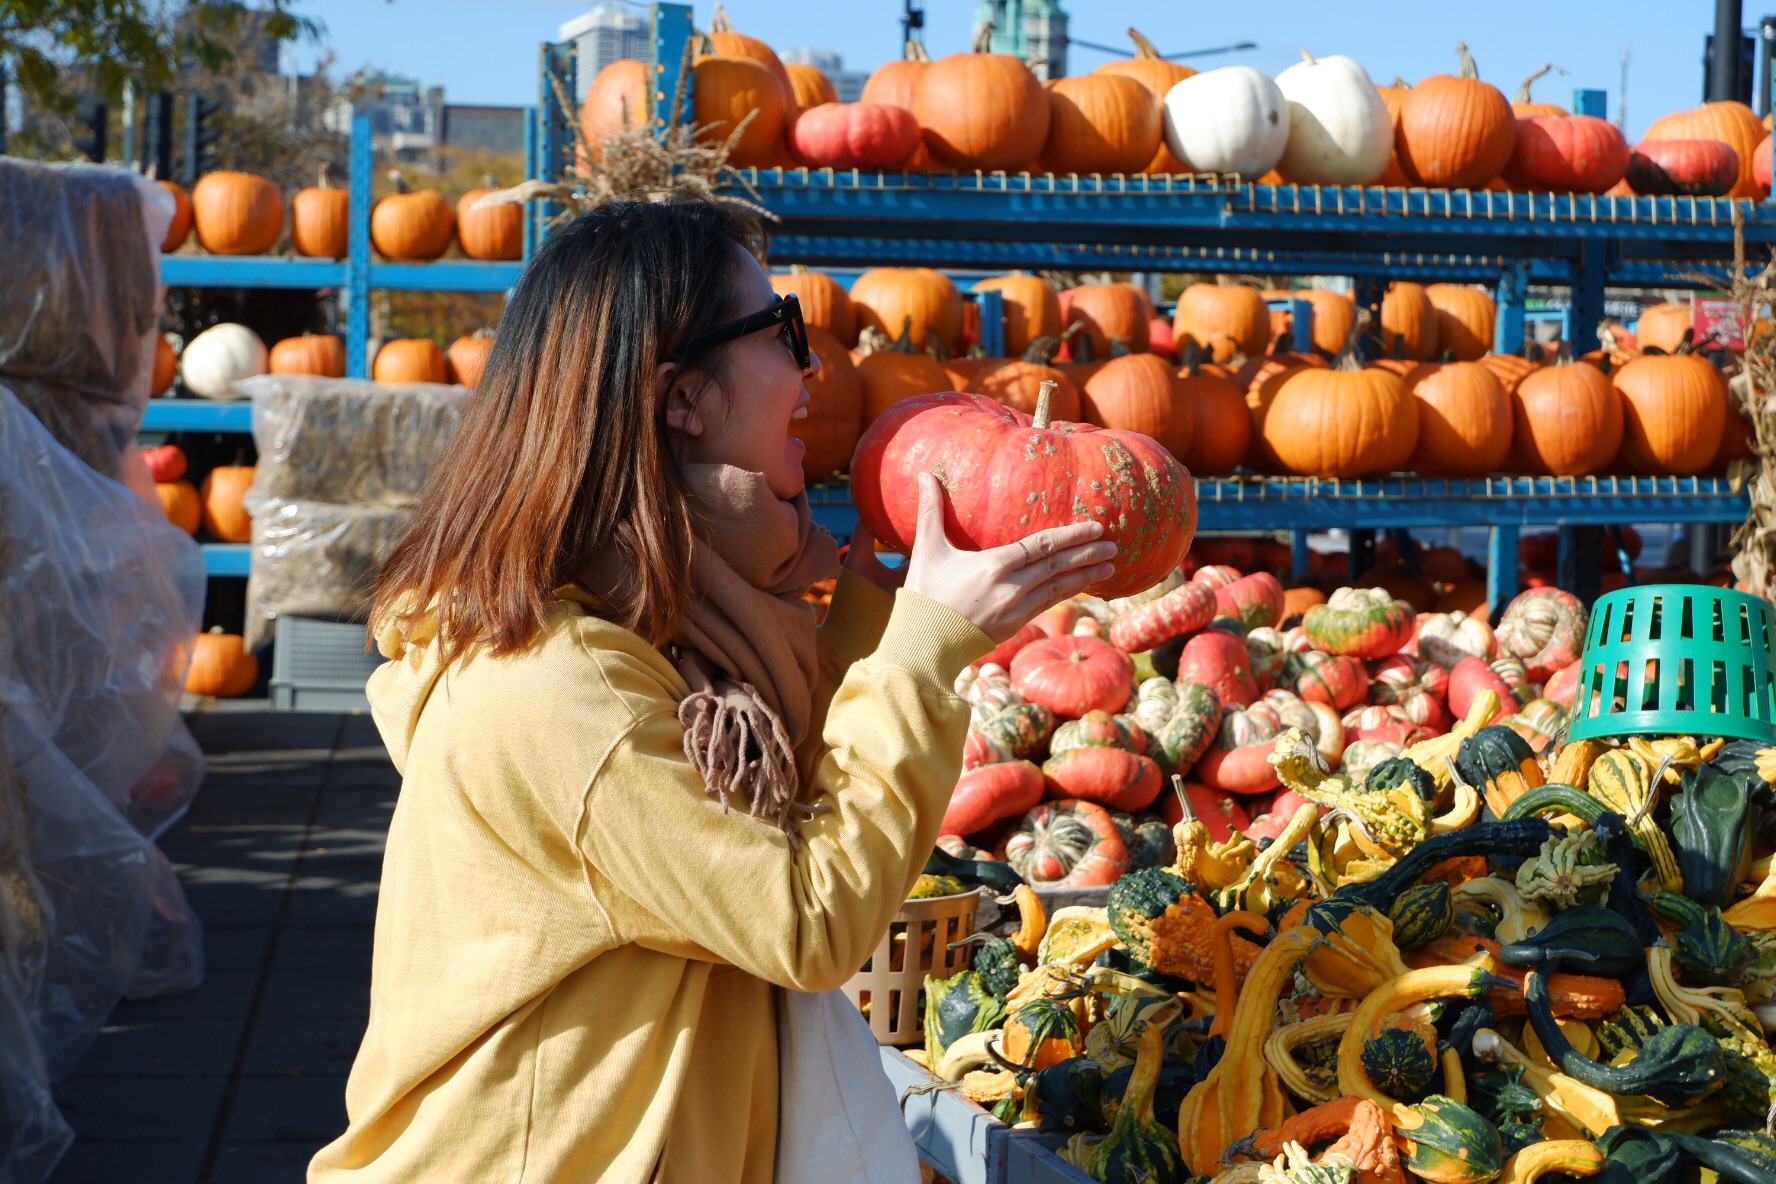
(1447, 638)
(1339, 130)
(219, 356)
(1231, 120)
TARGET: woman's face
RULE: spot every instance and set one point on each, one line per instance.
(747, 425)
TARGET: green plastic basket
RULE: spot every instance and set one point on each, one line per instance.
(1678, 659)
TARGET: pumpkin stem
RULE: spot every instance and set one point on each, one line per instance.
(400, 182)
(719, 20)
(1043, 349)
(1183, 797)
(488, 181)
(904, 343)
(1307, 57)
(1145, 50)
(1119, 348)
(983, 37)
(326, 178)
(916, 52)
(1468, 68)
(1400, 83)
(1346, 358)
(1523, 91)
(1044, 396)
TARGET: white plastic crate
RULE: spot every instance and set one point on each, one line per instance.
(320, 665)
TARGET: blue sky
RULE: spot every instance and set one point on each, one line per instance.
(484, 51)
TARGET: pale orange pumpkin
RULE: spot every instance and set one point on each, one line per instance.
(1393, 97)
(1223, 423)
(884, 297)
(224, 503)
(466, 359)
(1663, 327)
(981, 110)
(1674, 409)
(1455, 131)
(489, 232)
(411, 224)
(620, 98)
(1152, 71)
(1524, 107)
(1466, 317)
(1018, 385)
(320, 220)
(1334, 315)
(409, 359)
(1509, 369)
(1261, 378)
(221, 666)
(1109, 313)
(166, 365)
(1566, 421)
(1464, 420)
(1342, 421)
(895, 373)
(835, 415)
(1223, 320)
(1101, 123)
(811, 85)
(311, 353)
(1408, 322)
(731, 44)
(1139, 393)
(1032, 310)
(236, 213)
(183, 507)
(725, 90)
(824, 301)
(1732, 123)
(180, 227)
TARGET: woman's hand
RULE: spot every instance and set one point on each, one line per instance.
(1003, 589)
(861, 558)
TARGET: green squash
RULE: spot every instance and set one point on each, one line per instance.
(1065, 1098)
(1139, 1149)
(1148, 838)
(1751, 1075)
(1188, 729)
(1401, 1058)
(1583, 940)
(1498, 1094)
(1422, 914)
(1758, 1146)
(1392, 774)
(1037, 1031)
(1628, 1029)
(954, 1007)
(1522, 837)
(1710, 952)
(1022, 728)
(1500, 764)
(1135, 900)
(1175, 1080)
(1555, 798)
(1712, 827)
(994, 875)
(1451, 1144)
(1680, 1065)
(1640, 1156)
(1000, 965)
(928, 885)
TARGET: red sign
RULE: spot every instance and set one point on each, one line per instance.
(1716, 320)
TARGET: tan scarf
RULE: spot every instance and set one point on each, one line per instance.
(745, 644)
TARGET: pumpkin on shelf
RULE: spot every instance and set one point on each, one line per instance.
(466, 359)
(739, 101)
(219, 357)
(1018, 384)
(1340, 132)
(411, 224)
(491, 231)
(166, 462)
(1139, 393)
(897, 371)
(1223, 423)
(223, 494)
(1566, 421)
(981, 110)
(1567, 154)
(1728, 122)
(1466, 317)
(1674, 410)
(811, 85)
(1464, 420)
(311, 353)
(923, 301)
(1032, 309)
(1222, 319)
(179, 500)
(222, 667)
(1231, 120)
(1408, 322)
(1664, 327)
(179, 229)
(409, 359)
(1334, 314)
(236, 213)
(1108, 314)
(835, 414)
(1149, 68)
(166, 365)
(1683, 168)
(1455, 131)
(824, 301)
(320, 219)
(894, 84)
(1100, 123)
(1342, 421)
(855, 136)
(620, 98)
(1524, 106)
(1261, 378)
(731, 43)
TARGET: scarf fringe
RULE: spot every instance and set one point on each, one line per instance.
(740, 747)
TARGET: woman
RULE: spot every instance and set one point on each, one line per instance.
(638, 792)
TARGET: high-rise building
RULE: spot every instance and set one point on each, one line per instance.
(848, 83)
(1034, 30)
(608, 32)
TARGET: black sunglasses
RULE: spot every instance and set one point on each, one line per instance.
(785, 310)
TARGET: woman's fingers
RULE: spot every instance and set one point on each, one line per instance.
(930, 534)
(1061, 562)
(1047, 543)
(1051, 592)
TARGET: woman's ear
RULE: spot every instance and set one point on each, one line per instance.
(676, 400)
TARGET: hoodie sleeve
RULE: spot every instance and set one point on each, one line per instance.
(807, 918)
(852, 629)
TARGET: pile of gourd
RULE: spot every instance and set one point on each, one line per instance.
(1466, 962)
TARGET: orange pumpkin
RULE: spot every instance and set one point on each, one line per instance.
(824, 301)
(1566, 421)
(180, 227)
(1139, 393)
(1018, 385)
(1342, 421)
(466, 359)
(1464, 420)
(811, 85)
(1524, 107)
(1730, 122)
(896, 82)
(224, 503)
(1408, 322)
(180, 501)
(1152, 71)
(1509, 369)
(1663, 327)
(1334, 315)
(1109, 313)
(320, 220)
(409, 359)
(311, 353)
(410, 225)
(1393, 97)
(962, 371)
(221, 666)
(731, 44)
(1738, 441)
(1223, 320)
(1465, 319)
(1455, 131)
(1223, 424)
(236, 213)
(489, 232)
(895, 373)
(885, 297)
(835, 416)
(1101, 123)
(725, 90)
(620, 97)
(1261, 378)
(166, 364)
(981, 110)
(1032, 310)
(1674, 409)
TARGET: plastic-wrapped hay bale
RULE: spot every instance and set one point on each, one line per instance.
(345, 440)
(317, 559)
(79, 310)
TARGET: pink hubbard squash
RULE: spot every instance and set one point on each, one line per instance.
(1220, 662)
(992, 793)
(1073, 675)
(1471, 676)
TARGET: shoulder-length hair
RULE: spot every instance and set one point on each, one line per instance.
(562, 456)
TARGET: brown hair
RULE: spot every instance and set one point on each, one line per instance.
(562, 456)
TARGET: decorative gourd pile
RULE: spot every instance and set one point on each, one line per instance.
(1452, 952)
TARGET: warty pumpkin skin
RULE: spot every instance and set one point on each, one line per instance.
(725, 90)
(1464, 420)
(1222, 320)
(824, 301)
(1344, 421)
(981, 110)
(1100, 123)
(1408, 322)
(1158, 76)
(835, 416)
(1139, 393)
(884, 297)
(320, 220)
(620, 97)
(236, 213)
(1730, 122)
(1466, 317)
(1674, 412)
(1455, 131)
(1566, 421)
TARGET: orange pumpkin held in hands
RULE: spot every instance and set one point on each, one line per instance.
(237, 213)
(311, 353)
(320, 220)
(490, 231)
(835, 416)
(224, 503)
(409, 359)
(982, 110)
(221, 666)
(1454, 132)
(466, 359)
(410, 224)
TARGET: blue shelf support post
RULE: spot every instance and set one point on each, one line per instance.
(357, 262)
(532, 171)
(554, 125)
(1512, 291)
(1587, 294)
(1501, 568)
(1300, 558)
(672, 32)
(992, 319)
(1591, 102)
(1301, 326)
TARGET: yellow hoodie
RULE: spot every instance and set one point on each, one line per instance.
(576, 946)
